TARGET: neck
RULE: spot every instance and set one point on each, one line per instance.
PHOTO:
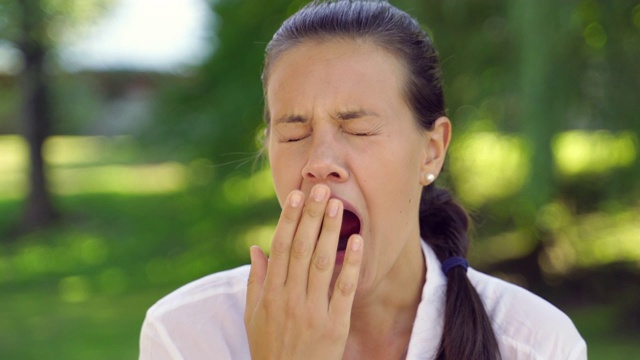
(385, 316)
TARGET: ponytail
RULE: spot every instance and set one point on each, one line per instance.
(467, 332)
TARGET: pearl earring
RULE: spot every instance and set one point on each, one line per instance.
(429, 177)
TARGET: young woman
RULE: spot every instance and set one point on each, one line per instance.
(368, 257)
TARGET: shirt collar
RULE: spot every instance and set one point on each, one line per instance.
(427, 327)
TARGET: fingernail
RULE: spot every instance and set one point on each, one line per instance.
(319, 193)
(356, 243)
(295, 199)
(334, 206)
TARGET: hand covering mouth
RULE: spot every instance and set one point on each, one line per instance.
(350, 226)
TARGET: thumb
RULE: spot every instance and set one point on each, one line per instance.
(255, 283)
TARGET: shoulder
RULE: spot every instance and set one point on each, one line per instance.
(223, 287)
(526, 325)
(201, 319)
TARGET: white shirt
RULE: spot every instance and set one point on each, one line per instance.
(204, 319)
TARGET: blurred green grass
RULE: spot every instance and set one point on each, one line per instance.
(80, 290)
(43, 318)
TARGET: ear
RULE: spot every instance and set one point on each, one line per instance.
(435, 149)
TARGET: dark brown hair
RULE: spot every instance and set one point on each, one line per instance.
(467, 332)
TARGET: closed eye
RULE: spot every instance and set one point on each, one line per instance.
(295, 139)
(292, 132)
(369, 132)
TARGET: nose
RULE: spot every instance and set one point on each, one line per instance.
(325, 163)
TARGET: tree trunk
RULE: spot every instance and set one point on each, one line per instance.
(35, 113)
(537, 33)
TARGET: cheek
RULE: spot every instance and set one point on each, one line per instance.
(398, 170)
(285, 173)
(394, 186)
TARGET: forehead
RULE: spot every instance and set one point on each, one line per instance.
(355, 72)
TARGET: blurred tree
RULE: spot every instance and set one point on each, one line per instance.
(35, 110)
(530, 70)
(217, 112)
(33, 27)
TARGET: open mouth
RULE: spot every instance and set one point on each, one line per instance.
(350, 226)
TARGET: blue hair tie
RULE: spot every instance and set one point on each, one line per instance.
(454, 261)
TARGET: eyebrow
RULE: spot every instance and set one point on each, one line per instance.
(292, 119)
(354, 114)
(340, 115)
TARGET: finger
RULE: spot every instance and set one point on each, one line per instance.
(347, 282)
(282, 239)
(255, 283)
(324, 257)
(306, 237)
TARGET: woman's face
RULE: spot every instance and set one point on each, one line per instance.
(339, 117)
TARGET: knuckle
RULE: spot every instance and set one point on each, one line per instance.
(337, 330)
(346, 287)
(269, 300)
(289, 217)
(313, 212)
(321, 262)
(279, 246)
(291, 310)
(354, 260)
(300, 249)
(251, 280)
(314, 320)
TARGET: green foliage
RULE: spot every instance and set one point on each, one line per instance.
(519, 77)
(217, 113)
(57, 19)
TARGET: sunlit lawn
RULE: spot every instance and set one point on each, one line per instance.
(80, 290)
(37, 324)
(133, 232)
